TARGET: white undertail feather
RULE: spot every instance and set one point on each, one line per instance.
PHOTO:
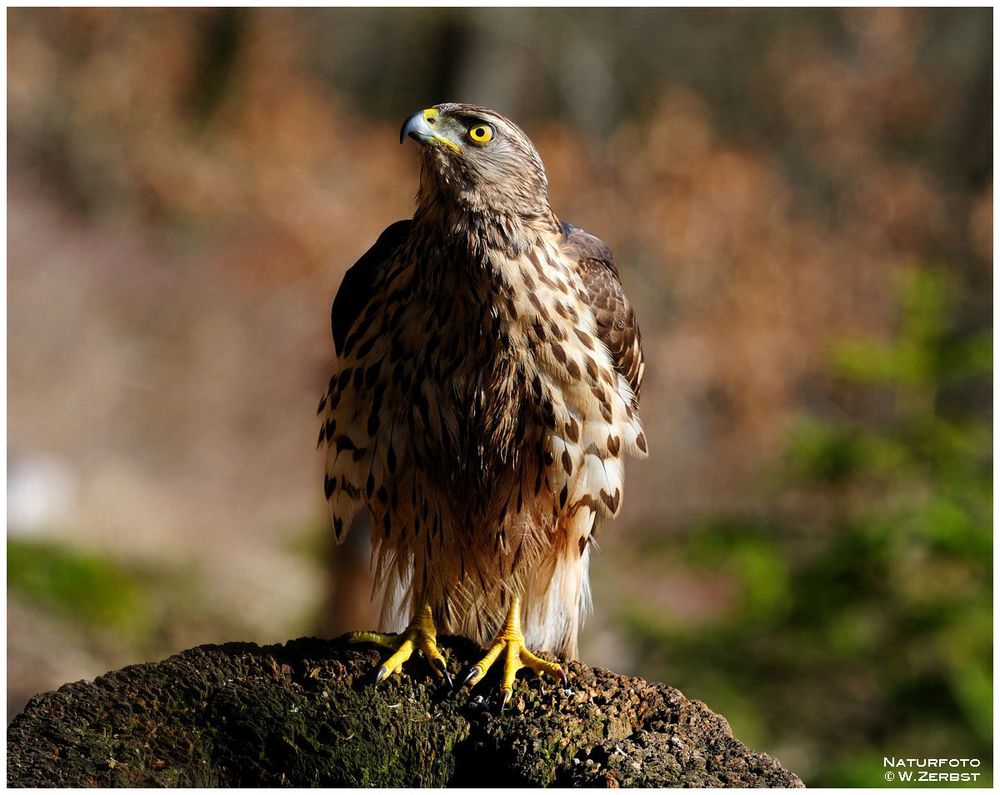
(396, 597)
(556, 603)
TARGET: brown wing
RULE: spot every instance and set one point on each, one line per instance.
(356, 290)
(617, 327)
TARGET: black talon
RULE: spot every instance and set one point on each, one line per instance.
(442, 669)
(507, 693)
(469, 676)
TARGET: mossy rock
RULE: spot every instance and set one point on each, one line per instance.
(307, 714)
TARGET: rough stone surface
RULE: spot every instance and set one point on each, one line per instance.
(307, 714)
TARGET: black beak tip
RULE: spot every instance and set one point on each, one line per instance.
(414, 127)
(406, 129)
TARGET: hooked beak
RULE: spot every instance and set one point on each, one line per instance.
(420, 127)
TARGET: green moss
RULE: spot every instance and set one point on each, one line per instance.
(306, 715)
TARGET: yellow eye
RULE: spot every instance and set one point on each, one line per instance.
(481, 133)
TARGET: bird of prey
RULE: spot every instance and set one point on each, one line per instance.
(484, 398)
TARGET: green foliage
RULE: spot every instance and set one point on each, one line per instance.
(922, 357)
(863, 621)
(150, 608)
(81, 586)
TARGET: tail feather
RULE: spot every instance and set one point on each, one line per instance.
(557, 595)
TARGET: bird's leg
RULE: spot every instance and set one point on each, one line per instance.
(510, 642)
(420, 634)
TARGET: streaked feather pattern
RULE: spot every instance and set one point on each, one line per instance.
(484, 398)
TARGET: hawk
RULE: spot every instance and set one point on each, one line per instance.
(484, 398)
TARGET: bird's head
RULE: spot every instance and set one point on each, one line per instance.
(479, 161)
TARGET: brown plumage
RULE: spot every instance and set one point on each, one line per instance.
(485, 392)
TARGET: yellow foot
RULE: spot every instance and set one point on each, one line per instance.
(510, 642)
(420, 634)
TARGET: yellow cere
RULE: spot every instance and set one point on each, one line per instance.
(430, 116)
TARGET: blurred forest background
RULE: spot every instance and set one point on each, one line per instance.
(801, 204)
